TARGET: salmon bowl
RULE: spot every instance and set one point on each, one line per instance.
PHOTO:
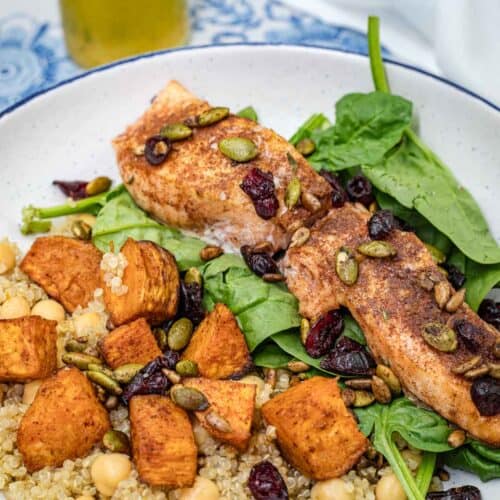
(231, 413)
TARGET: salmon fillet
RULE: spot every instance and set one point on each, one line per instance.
(391, 307)
(198, 188)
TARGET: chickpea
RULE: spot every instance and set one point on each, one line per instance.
(389, 488)
(30, 390)
(332, 489)
(87, 323)
(259, 385)
(7, 257)
(49, 309)
(108, 470)
(202, 489)
(15, 307)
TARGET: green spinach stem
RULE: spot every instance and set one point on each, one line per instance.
(375, 52)
(425, 471)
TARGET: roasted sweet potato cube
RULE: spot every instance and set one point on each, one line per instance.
(27, 348)
(218, 346)
(130, 343)
(152, 279)
(162, 442)
(234, 402)
(64, 421)
(315, 431)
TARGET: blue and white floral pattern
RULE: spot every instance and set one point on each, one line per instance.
(33, 56)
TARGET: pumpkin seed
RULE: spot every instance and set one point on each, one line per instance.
(476, 372)
(299, 237)
(174, 377)
(442, 292)
(189, 398)
(75, 346)
(440, 336)
(81, 230)
(211, 116)
(176, 131)
(306, 146)
(456, 301)
(116, 441)
(273, 277)
(296, 366)
(111, 402)
(310, 202)
(389, 377)
(292, 162)
(359, 383)
(363, 398)
(80, 360)
(100, 368)
(436, 254)
(187, 368)
(125, 373)
(98, 185)
(496, 350)
(105, 382)
(456, 438)
(239, 149)
(348, 396)
(179, 334)
(381, 390)
(305, 326)
(378, 249)
(218, 422)
(210, 252)
(161, 338)
(292, 194)
(193, 275)
(494, 370)
(471, 363)
(346, 266)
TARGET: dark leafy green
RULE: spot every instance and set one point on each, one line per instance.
(353, 330)
(476, 458)
(249, 113)
(270, 355)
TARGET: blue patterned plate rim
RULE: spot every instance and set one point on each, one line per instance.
(148, 55)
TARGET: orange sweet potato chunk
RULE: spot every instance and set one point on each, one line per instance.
(315, 431)
(130, 343)
(163, 444)
(27, 348)
(64, 421)
(153, 282)
(234, 402)
(66, 268)
(218, 346)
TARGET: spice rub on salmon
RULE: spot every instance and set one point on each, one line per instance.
(392, 301)
(198, 188)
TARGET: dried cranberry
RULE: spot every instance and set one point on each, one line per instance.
(156, 149)
(339, 196)
(349, 358)
(461, 493)
(76, 190)
(455, 276)
(323, 332)
(489, 311)
(151, 379)
(485, 393)
(191, 303)
(265, 482)
(259, 186)
(259, 262)
(359, 189)
(381, 224)
(469, 334)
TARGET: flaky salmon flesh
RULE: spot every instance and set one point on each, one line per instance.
(198, 188)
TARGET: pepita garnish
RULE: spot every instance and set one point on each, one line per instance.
(273, 277)
(193, 275)
(494, 370)
(173, 376)
(125, 373)
(211, 116)
(456, 300)
(381, 390)
(292, 194)
(346, 266)
(359, 383)
(442, 292)
(75, 346)
(310, 202)
(179, 334)
(239, 149)
(377, 249)
(100, 368)
(210, 252)
(363, 398)
(176, 131)
(305, 326)
(107, 383)
(189, 398)
(440, 336)
(80, 360)
(218, 422)
(476, 372)
(116, 441)
(436, 254)
(471, 363)
(299, 237)
(348, 396)
(292, 162)
(306, 146)
(187, 368)
(456, 438)
(81, 230)
(389, 377)
(161, 338)
(297, 366)
(98, 185)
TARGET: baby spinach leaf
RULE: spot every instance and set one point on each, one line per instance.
(249, 113)
(314, 124)
(480, 279)
(353, 330)
(270, 355)
(476, 458)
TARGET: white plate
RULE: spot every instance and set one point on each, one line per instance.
(65, 133)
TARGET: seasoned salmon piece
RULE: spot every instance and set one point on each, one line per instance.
(66, 268)
(198, 188)
(391, 304)
(218, 346)
(152, 285)
(130, 343)
(162, 442)
(229, 416)
(64, 421)
(27, 348)
(315, 431)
